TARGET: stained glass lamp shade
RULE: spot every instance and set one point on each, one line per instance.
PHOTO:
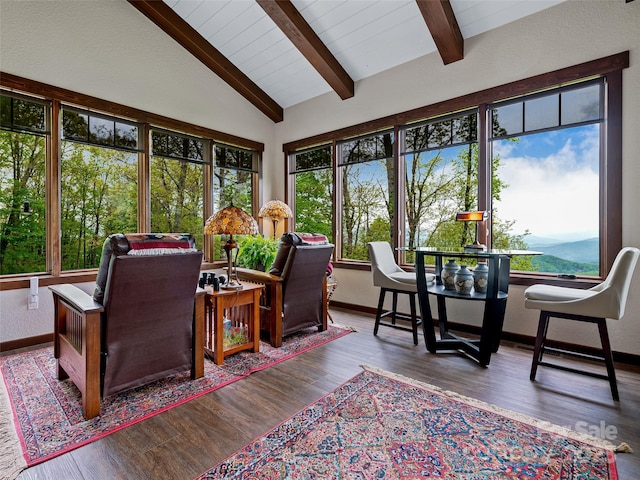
(231, 221)
(276, 211)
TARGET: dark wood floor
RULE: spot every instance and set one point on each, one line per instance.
(187, 440)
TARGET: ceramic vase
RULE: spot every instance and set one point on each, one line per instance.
(448, 275)
(464, 280)
(481, 278)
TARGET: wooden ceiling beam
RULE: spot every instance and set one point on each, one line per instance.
(295, 27)
(444, 28)
(178, 29)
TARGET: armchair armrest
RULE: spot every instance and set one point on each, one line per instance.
(78, 299)
(76, 344)
(257, 276)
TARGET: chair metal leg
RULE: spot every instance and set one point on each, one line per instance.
(538, 351)
(608, 357)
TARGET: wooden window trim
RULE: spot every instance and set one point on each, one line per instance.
(81, 100)
(602, 66)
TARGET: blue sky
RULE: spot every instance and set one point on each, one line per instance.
(553, 183)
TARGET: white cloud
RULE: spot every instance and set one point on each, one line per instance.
(555, 195)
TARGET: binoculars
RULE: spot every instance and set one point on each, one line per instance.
(211, 279)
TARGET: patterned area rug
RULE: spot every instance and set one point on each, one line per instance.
(48, 413)
(379, 425)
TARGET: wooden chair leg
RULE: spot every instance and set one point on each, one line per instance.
(394, 308)
(414, 319)
(379, 312)
(541, 336)
(197, 338)
(608, 357)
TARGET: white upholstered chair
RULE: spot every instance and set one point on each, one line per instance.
(595, 305)
(391, 278)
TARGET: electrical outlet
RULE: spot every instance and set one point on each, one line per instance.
(33, 302)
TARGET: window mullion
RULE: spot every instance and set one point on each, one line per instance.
(484, 171)
(53, 192)
(144, 179)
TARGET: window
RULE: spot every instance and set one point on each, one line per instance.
(235, 183)
(22, 185)
(542, 155)
(99, 184)
(313, 186)
(235, 178)
(177, 183)
(94, 129)
(366, 173)
(441, 165)
(548, 150)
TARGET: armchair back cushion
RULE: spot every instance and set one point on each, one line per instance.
(302, 292)
(148, 300)
(148, 319)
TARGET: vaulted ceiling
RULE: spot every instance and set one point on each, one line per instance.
(277, 53)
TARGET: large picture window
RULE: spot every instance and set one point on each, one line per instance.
(99, 178)
(549, 152)
(22, 185)
(441, 178)
(177, 183)
(235, 181)
(366, 172)
(312, 171)
(235, 178)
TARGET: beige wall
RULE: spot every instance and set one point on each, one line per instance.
(108, 50)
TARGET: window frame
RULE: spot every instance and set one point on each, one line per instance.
(608, 68)
(56, 97)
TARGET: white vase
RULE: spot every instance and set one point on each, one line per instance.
(448, 275)
(464, 280)
(481, 278)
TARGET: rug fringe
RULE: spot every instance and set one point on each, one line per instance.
(623, 448)
(345, 327)
(11, 460)
(542, 424)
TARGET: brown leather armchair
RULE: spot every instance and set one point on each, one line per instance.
(141, 324)
(295, 295)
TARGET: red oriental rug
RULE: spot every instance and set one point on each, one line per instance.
(47, 413)
(380, 425)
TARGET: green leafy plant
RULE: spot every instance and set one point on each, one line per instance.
(257, 252)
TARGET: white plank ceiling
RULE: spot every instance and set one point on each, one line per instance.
(365, 36)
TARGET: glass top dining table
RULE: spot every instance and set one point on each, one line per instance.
(495, 299)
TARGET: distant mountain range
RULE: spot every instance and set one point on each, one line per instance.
(579, 258)
(583, 251)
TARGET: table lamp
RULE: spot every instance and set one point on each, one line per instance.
(479, 216)
(276, 211)
(231, 221)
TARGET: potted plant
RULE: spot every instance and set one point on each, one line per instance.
(257, 252)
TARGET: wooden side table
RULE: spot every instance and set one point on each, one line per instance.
(242, 308)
